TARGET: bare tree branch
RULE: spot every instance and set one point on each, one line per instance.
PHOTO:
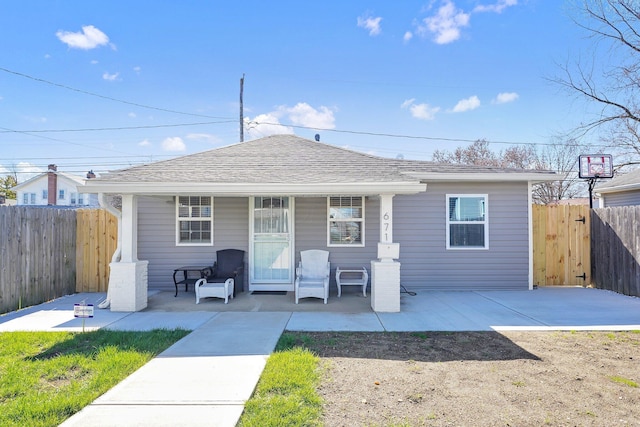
(612, 84)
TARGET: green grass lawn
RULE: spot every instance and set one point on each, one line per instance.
(286, 394)
(45, 377)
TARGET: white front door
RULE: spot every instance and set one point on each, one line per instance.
(271, 255)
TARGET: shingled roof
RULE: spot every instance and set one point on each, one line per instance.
(627, 182)
(285, 160)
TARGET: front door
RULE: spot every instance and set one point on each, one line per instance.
(271, 263)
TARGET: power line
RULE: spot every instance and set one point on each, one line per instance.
(28, 133)
(392, 135)
(113, 128)
(231, 120)
(135, 104)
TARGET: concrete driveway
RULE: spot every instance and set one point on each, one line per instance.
(557, 308)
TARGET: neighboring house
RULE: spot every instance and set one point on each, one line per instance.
(55, 188)
(412, 223)
(623, 190)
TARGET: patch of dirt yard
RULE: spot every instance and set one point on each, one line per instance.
(478, 378)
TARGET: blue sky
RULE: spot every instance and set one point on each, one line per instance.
(119, 83)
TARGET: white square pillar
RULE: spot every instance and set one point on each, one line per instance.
(385, 286)
(128, 285)
(129, 228)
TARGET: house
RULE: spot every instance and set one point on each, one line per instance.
(55, 188)
(623, 190)
(417, 224)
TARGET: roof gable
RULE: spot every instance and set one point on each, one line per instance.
(72, 180)
(275, 159)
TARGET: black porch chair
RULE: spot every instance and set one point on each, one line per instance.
(229, 264)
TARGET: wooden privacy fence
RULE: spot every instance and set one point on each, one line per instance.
(37, 255)
(616, 249)
(46, 253)
(96, 241)
(561, 245)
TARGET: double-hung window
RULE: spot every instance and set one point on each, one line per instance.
(467, 224)
(346, 221)
(194, 220)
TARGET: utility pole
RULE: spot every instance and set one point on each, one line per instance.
(241, 109)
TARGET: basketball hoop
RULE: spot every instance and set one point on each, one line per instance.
(592, 167)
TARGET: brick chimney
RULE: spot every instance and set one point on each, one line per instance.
(52, 187)
(91, 175)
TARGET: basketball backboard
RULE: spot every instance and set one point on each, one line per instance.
(595, 166)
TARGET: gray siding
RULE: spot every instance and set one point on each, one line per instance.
(419, 227)
(157, 236)
(623, 198)
(311, 233)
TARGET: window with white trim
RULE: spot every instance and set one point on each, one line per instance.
(45, 195)
(194, 220)
(467, 224)
(345, 222)
(60, 194)
(73, 196)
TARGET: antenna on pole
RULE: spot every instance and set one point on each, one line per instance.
(241, 109)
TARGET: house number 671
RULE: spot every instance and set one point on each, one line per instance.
(385, 225)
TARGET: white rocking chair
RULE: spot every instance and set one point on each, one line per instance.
(216, 290)
(312, 275)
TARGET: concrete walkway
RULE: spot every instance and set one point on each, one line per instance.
(202, 380)
(205, 378)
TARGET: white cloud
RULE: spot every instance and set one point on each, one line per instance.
(110, 77)
(207, 137)
(89, 38)
(47, 56)
(137, 70)
(265, 125)
(303, 114)
(505, 97)
(144, 143)
(371, 24)
(468, 104)
(497, 7)
(445, 25)
(407, 36)
(407, 103)
(132, 115)
(420, 111)
(173, 144)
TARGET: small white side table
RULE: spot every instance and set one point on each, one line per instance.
(352, 276)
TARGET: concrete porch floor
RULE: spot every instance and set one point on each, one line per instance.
(350, 302)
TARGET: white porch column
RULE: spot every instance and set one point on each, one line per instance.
(128, 277)
(385, 272)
